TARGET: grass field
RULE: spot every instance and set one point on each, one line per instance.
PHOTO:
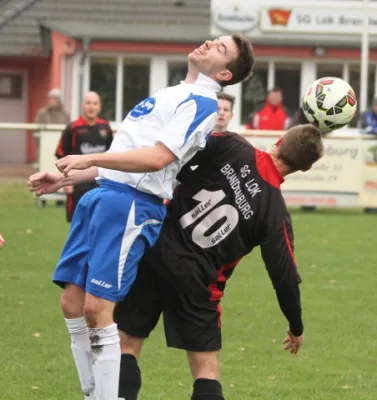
(337, 258)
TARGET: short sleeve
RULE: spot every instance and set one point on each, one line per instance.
(192, 122)
(110, 137)
(65, 145)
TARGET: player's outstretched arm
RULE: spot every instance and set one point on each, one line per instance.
(2, 241)
(48, 182)
(277, 254)
(147, 159)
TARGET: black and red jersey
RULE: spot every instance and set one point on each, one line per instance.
(229, 201)
(81, 138)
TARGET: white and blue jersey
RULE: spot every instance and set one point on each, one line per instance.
(115, 224)
(181, 117)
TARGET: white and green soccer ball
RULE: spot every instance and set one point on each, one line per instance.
(329, 103)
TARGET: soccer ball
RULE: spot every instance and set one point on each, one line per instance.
(329, 103)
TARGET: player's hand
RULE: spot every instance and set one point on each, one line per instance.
(293, 343)
(67, 163)
(68, 189)
(44, 182)
(2, 241)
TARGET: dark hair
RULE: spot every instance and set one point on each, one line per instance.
(241, 68)
(301, 147)
(226, 96)
(275, 89)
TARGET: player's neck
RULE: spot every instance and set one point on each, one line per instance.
(280, 166)
(90, 121)
(220, 129)
(191, 76)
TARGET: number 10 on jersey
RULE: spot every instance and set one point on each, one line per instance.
(207, 207)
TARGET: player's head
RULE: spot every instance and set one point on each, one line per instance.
(91, 105)
(227, 59)
(299, 148)
(55, 98)
(224, 111)
(275, 96)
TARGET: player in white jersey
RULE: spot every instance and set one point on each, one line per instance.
(114, 224)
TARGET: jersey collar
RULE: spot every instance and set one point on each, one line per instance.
(209, 82)
(204, 80)
(84, 121)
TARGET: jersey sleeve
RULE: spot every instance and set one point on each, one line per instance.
(278, 256)
(192, 122)
(110, 137)
(65, 145)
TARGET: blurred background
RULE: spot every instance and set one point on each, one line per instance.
(126, 50)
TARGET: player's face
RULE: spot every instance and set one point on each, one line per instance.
(224, 115)
(91, 106)
(275, 98)
(212, 57)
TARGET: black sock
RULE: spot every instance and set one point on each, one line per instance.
(207, 389)
(129, 378)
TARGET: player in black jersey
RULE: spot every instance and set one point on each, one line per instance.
(87, 134)
(229, 204)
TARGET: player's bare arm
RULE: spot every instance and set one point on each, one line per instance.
(147, 159)
(48, 182)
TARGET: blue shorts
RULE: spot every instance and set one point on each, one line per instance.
(111, 229)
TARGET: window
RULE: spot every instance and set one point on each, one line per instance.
(11, 86)
(135, 82)
(354, 81)
(106, 78)
(288, 78)
(177, 72)
(324, 70)
(103, 75)
(254, 92)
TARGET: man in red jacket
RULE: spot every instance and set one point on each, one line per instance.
(272, 116)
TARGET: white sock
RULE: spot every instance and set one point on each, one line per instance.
(81, 350)
(106, 356)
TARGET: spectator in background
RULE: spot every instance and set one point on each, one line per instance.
(53, 112)
(272, 116)
(2, 241)
(367, 121)
(88, 134)
(224, 112)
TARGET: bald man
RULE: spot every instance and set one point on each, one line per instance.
(87, 134)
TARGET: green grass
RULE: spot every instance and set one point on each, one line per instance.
(337, 259)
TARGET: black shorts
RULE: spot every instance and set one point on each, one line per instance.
(192, 325)
(74, 198)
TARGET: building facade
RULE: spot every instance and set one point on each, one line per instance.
(127, 50)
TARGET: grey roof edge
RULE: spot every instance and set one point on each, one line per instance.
(62, 27)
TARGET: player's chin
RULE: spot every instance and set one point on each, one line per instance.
(194, 56)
